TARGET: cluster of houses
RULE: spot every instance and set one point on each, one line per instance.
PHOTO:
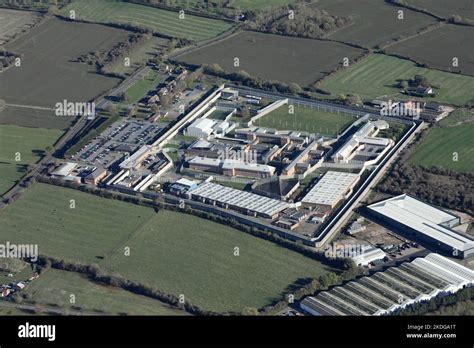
(167, 87)
(7, 289)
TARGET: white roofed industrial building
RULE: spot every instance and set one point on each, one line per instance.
(424, 222)
(330, 190)
(246, 202)
(396, 287)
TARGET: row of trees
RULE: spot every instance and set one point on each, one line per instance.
(245, 79)
(104, 58)
(459, 303)
(296, 20)
(435, 185)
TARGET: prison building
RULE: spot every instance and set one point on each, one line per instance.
(330, 190)
(245, 202)
(365, 136)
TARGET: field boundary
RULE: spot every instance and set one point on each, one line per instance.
(177, 9)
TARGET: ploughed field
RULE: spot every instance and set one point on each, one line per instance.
(173, 252)
(47, 74)
(445, 9)
(274, 57)
(438, 49)
(375, 21)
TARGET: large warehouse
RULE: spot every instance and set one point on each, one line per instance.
(425, 223)
(397, 287)
(330, 190)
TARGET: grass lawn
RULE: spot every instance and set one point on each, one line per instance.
(437, 148)
(182, 254)
(219, 115)
(55, 287)
(138, 90)
(176, 253)
(376, 76)
(158, 20)
(29, 143)
(306, 119)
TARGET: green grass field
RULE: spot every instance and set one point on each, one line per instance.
(158, 20)
(141, 87)
(306, 119)
(55, 287)
(376, 77)
(93, 229)
(176, 253)
(29, 143)
(182, 254)
(437, 148)
(458, 117)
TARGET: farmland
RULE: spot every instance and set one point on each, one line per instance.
(306, 119)
(441, 8)
(157, 20)
(29, 143)
(28, 117)
(375, 22)
(201, 265)
(457, 41)
(12, 23)
(166, 249)
(440, 144)
(377, 77)
(296, 60)
(243, 5)
(84, 233)
(55, 287)
(48, 51)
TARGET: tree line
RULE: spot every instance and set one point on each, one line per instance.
(298, 20)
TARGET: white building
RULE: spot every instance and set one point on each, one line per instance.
(425, 223)
(368, 255)
(243, 201)
(330, 190)
(396, 287)
(201, 128)
(363, 137)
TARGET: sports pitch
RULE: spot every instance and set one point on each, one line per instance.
(306, 119)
